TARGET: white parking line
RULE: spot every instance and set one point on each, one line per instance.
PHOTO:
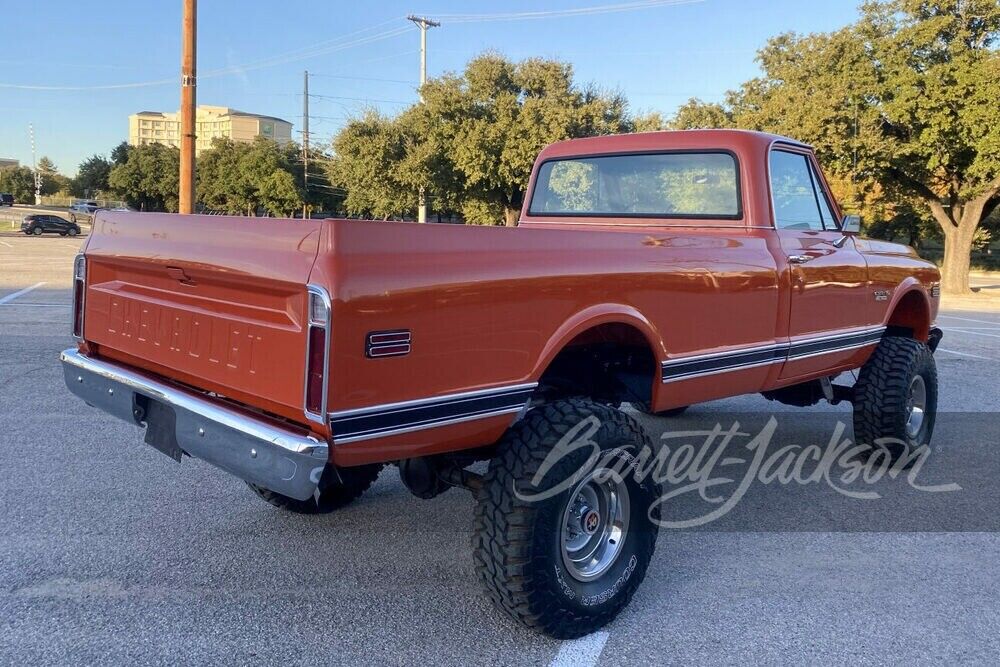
(11, 297)
(582, 652)
(35, 305)
(969, 319)
(6, 244)
(974, 333)
(967, 354)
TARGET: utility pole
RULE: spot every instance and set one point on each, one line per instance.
(305, 140)
(189, 85)
(423, 23)
(34, 166)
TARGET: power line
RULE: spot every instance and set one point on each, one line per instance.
(365, 78)
(559, 13)
(358, 99)
(304, 53)
(312, 52)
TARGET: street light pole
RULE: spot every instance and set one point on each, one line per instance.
(188, 101)
(305, 141)
(423, 23)
(34, 167)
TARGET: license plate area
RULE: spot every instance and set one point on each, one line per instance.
(160, 421)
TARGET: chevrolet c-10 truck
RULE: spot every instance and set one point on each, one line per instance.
(658, 270)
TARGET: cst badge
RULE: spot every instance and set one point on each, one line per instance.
(882, 294)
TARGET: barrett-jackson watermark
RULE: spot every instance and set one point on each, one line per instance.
(701, 462)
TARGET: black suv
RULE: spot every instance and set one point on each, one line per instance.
(39, 224)
(6, 199)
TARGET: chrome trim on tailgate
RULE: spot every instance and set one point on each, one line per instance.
(252, 449)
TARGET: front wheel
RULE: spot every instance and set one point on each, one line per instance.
(895, 399)
(564, 556)
(353, 482)
(37, 231)
(73, 232)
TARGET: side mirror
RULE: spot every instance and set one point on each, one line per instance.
(851, 224)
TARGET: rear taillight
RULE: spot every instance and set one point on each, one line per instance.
(317, 353)
(79, 294)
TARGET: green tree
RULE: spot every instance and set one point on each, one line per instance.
(322, 194)
(650, 122)
(472, 141)
(488, 124)
(20, 182)
(52, 180)
(91, 177)
(902, 105)
(937, 86)
(148, 179)
(243, 178)
(368, 162)
(119, 154)
(280, 195)
(695, 114)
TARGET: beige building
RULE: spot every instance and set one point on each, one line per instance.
(155, 127)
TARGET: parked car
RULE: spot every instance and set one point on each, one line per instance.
(658, 269)
(6, 199)
(39, 224)
(83, 211)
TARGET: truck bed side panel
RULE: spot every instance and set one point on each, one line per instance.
(482, 303)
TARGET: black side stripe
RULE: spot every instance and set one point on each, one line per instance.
(681, 369)
(808, 348)
(380, 421)
(707, 365)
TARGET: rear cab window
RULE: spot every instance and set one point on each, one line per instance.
(676, 184)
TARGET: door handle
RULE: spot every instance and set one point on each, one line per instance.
(799, 259)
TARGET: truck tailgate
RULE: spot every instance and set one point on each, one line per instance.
(214, 302)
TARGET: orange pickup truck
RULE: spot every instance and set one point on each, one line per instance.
(658, 270)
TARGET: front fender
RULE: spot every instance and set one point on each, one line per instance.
(911, 307)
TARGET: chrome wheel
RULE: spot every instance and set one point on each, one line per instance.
(916, 406)
(594, 525)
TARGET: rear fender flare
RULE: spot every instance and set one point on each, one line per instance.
(609, 313)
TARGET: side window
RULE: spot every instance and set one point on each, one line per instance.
(825, 211)
(795, 203)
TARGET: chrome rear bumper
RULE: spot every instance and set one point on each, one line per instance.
(259, 452)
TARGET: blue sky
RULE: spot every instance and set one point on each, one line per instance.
(659, 57)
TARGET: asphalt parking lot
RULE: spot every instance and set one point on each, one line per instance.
(111, 553)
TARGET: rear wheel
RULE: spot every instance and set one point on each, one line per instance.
(353, 482)
(567, 561)
(895, 398)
